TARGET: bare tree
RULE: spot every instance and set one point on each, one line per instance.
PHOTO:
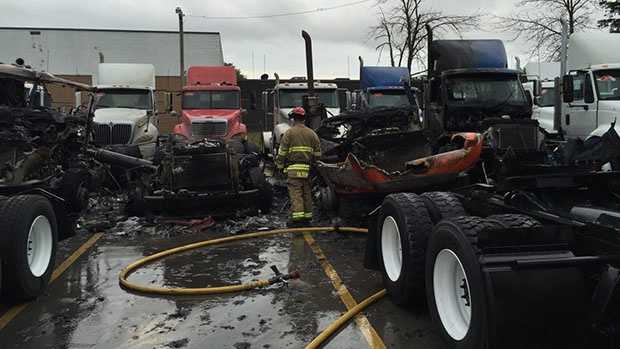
(382, 33)
(402, 30)
(538, 23)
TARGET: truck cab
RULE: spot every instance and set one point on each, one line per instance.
(211, 104)
(465, 89)
(285, 96)
(383, 87)
(544, 105)
(593, 102)
(125, 112)
(590, 86)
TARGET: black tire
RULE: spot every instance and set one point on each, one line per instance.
(16, 217)
(514, 221)
(459, 236)
(441, 205)
(414, 224)
(264, 188)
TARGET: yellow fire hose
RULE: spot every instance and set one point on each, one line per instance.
(322, 337)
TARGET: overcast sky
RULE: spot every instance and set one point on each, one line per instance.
(339, 35)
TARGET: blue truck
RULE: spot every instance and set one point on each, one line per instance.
(383, 87)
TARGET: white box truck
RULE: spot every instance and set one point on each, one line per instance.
(125, 111)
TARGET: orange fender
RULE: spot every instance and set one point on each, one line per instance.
(454, 161)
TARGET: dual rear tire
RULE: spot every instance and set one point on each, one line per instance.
(29, 243)
(428, 252)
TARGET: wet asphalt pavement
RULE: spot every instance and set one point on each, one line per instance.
(86, 307)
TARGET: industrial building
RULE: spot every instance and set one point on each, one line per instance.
(74, 53)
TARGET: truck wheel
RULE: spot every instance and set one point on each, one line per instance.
(442, 205)
(514, 221)
(31, 249)
(456, 295)
(403, 226)
(265, 190)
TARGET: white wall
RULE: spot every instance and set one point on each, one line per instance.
(77, 51)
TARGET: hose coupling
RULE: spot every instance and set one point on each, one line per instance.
(280, 278)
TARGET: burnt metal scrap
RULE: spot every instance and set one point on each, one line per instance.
(383, 150)
(187, 176)
(43, 151)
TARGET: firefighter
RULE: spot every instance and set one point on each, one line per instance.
(299, 148)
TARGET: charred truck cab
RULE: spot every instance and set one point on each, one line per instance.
(45, 179)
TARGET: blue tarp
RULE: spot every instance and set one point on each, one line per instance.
(457, 54)
(383, 76)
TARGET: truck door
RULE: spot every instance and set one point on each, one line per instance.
(579, 117)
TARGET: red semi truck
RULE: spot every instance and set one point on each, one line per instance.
(211, 104)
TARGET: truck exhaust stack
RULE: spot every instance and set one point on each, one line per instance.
(309, 68)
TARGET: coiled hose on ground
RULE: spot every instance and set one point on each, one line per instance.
(320, 339)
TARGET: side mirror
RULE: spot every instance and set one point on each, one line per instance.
(265, 100)
(168, 102)
(567, 89)
(537, 88)
(243, 115)
(588, 92)
(149, 115)
(538, 100)
(78, 99)
(528, 97)
(174, 114)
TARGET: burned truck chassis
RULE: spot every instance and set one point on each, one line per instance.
(190, 177)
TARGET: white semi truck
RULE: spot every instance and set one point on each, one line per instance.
(541, 85)
(126, 111)
(285, 96)
(590, 86)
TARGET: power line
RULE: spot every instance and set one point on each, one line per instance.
(286, 14)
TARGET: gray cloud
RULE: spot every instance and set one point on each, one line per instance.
(337, 34)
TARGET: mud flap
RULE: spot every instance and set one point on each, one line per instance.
(536, 308)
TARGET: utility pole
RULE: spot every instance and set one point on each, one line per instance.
(179, 12)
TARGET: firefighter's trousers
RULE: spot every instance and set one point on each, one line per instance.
(300, 192)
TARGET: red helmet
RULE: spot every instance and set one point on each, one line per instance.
(297, 112)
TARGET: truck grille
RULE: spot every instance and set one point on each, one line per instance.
(111, 134)
(209, 128)
(517, 136)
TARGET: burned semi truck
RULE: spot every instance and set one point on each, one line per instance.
(469, 90)
(527, 252)
(45, 179)
(190, 176)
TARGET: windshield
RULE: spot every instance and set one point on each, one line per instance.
(211, 100)
(546, 97)
(489, 90)
(124, 98)
(293, 98)
(396, 98)
(608, 84)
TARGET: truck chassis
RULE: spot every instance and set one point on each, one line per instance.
(532, 264)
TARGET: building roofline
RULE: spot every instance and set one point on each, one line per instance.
(107, 30)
